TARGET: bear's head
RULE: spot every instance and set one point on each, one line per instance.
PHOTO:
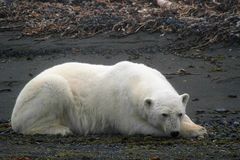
(165, 112)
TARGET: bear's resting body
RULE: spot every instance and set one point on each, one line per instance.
(126, 98)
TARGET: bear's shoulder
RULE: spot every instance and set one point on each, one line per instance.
(137, 69)
(127, 65)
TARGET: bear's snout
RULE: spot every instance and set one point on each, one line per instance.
(174, 134)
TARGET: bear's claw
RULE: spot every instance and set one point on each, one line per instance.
(200, 133)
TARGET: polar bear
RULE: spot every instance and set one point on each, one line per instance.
(126, 98)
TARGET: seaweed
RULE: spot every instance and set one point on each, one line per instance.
(208, 22)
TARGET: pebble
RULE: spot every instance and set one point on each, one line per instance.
(236, 123)
(5, 90)
(232, 96)
(200, 112)
(195, 99)
(221, 110)
(190, 66)
(3, 61)
(30, 74)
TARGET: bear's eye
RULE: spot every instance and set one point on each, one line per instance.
(164, 115)
(180, 115)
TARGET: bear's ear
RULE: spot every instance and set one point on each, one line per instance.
(148, 102)
(185, 98)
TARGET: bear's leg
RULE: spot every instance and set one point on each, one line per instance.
(190, 129)
(50, 129)
(145, 129)
(138, 126)
(42, 107)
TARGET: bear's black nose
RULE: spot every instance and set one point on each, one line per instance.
(174, 134)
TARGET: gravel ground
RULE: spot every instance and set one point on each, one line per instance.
(222, 143)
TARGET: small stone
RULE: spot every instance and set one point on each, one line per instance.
(5, 90)
(224, 121)
(200, 112)
(147, 57)
(190, 66)
(235, 123)
(221, 110)
(233, 135)
(232, 96)
(182, 72)
(195, 99)
(3, 61)
(29, 59)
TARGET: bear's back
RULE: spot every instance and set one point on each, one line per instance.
(126, 69)
(134, 75)
(76, 68)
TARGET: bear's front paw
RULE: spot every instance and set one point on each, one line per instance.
(200, 132)
(193, 130)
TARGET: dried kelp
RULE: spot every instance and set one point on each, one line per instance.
(208, 21)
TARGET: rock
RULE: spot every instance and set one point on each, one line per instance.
(191, 66)
(200, 112)
(232, 96)
(165, 3)
(195, 99)
(235, 123)
(29, 58)
(182, 72)
(5, 90)
(221, 110)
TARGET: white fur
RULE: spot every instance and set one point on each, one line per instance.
(93, 99)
